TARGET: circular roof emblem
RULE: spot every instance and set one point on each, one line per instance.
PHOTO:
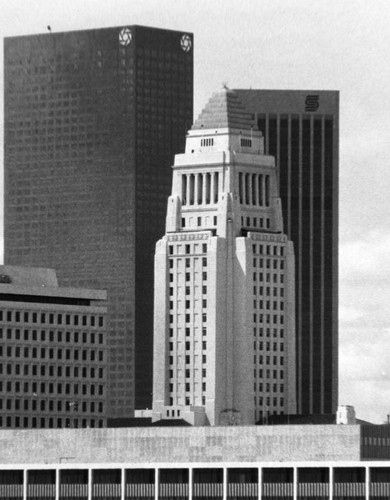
(125, 36)
(186, 43)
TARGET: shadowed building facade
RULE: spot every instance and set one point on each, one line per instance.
(224, 338)
(92, 122)
(301, 130)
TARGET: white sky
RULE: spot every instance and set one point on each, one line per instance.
(291, 44)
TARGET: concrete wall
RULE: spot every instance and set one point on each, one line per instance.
(181, 445)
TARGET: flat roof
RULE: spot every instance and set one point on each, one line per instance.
(176, 445)
(40, 282)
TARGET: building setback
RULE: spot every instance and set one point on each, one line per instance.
(301, 129)
(224, 345)
(53, 359)
(92, 121)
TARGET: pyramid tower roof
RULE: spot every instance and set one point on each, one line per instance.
(225, 110)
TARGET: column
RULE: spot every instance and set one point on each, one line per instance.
(367, 482)
(267, 187)
(212, 201)
(331, 481)
(200, 189)
(196, 180)
(295, 484)
(208, 188)
(57, 484)
(89, 484)
(156, 483)
(123, 484)
(224, 496)
(188, 189)
(190, 471)
(184, 189)
(192, 182)
(261, 189)
(256, 191)
(260, 481)
(203, 188)
(216, 187)
(25, 476)
(250, 189)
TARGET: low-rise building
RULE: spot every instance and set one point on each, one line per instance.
(52, 352)
(293, 462)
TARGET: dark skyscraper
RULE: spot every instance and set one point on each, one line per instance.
(92, 122)
(301, 129)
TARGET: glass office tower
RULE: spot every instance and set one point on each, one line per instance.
(301, 129)
(92, 122)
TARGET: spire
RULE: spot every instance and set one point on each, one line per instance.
(225, 110)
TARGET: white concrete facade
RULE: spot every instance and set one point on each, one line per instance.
(224, 325)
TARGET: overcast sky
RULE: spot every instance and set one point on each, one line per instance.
(302, 44)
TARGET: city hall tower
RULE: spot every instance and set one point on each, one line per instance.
(224, 324)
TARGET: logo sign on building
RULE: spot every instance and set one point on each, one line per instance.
(125, 36)
(312, 102)
(186, 43)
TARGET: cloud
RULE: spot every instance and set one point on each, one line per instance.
(365, 372)
(374, 405)
(366, 258)
(364, 333)
(348, 314)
